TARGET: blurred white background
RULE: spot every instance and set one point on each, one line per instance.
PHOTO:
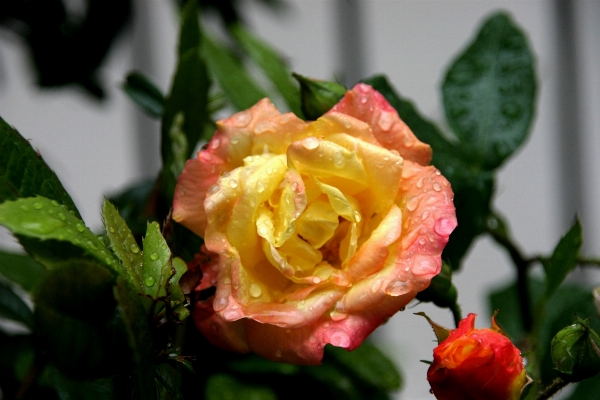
(99, 148)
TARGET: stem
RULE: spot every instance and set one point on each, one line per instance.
(552, 389)
(456, 313)
(522, 265)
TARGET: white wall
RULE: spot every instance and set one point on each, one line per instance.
(94, 148)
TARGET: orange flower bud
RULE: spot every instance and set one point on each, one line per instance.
(474, 364)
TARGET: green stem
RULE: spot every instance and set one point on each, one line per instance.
(552, 389)
(456, 313)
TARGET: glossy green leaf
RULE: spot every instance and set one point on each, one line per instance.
(176, 295)
(156, 267)
(21, 269)
(45, 219)
(123, 244)
(317, 96)
(232, 77)
(489, 92)
(226, 387)
(185, 110)
(369, 364)
(472, 187)
(13, 307)
(575, 351)
(76, 320)
(135, 205)
(23, 172)
(271, 64)
(144, 93)
(564, 258)
(134, 318)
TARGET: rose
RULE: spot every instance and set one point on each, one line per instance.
(473, 364)
(315, 232)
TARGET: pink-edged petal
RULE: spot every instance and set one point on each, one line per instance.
(193, 184)
(429, 218)
(226, 335)
(368, 105)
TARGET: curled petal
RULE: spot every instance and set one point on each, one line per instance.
(368, 105)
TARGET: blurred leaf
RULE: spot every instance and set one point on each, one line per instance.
(170, 380)
(72, 389)
(77, 322)
(318, 96)
(186, 106)
(271, 64)
(234, 80)
(13, 307)
(226, 387)
(369, 364)
(144, 93)
(341, 384)
(21, 269)
(156, 267)
(44, 219)
(586, 390)
(134, 317)
(564, 258)
(123, 244)
(255, 364)
(575, 351)
(472, 187)
(489, 92)
(23, 172)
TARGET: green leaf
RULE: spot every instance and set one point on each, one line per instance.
(135, 205)
(341, 385)
(23, 172)
(21, 269)
(71, 389)
(257, 365)
(45, 219)
(170, 380)
(489, 92)
(441, 291)
(318, 96)
(234, 80)
(13, 307)
(157, 263)
(564, 258)
(77, 322)
(185, 112)
(271, 64)
(123, 244)
(176, 295)
(575, 351)
(472, 187)
(441, 333)
(369, 364)
(226, 387)
(586, 390)
(134, 318)
(144, 93)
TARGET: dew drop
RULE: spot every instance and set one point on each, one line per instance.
(338, 159)
(437, 187)
(311, 143)
(134, 248)
(63, 217)
(209, 205)
(255, 290)
(213, 189)
(260, 186)
(149, 281)
(220, 303)
(412, 204)
(111, 229)
(24, 208)
(38, 205)
(233, 183)
(385, 121)
(420, 183)
(397, 288)
(215, 143)
(80, 227)
(241, 119)
(376, 285)
(54, 203)
(338, 316)
(231, 315)
(422, 241)
(338, 337)
(424, 215)
(357, 217)
(154, 256)
(227, 281)
(163, 246)
(235, 140)
(316, 280)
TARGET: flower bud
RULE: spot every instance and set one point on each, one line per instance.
(476, 364)
(318, 96)
(575, 351)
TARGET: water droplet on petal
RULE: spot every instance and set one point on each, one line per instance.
(420, 183)
(260, 186)
(255, 290)
(444, 226)
(149, 281)
(385, 121)
(311, 143)
(233, 183)
(338, 316)
(213, 189)
(397, 288)
(437, 187)
(241, 119)
(235, 140)
(209, 205)
(215, 143)
(357, 217)
(338, 337)
(338, 159)
(411, 205)
(376, 285)
(424, 215)
(316, 280)
(232, 315)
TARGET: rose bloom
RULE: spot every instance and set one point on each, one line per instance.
(315, 232)
(476, 364)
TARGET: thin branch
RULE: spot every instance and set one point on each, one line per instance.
(552, 389)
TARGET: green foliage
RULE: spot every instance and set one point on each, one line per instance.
(564, 258)
(489, 93)
(575, 351)
(441, 333)
(156, 269)
(144, 93)
(185, 108)
(318, 96)
(271, 64)
(20, 269)
(13, 307)
(44, 219)
(226, 387)
(23, 172)
(441, 291)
